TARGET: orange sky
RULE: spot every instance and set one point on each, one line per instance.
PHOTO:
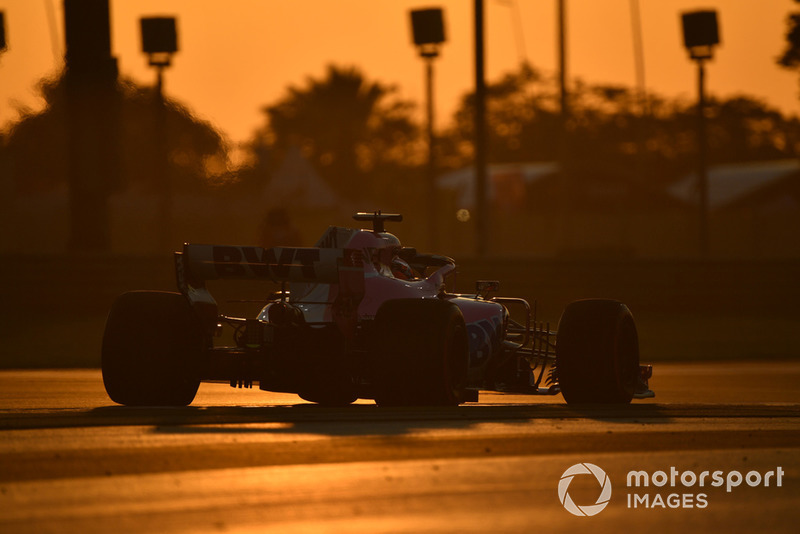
(239, 55)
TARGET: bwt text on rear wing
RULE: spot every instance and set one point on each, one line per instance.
(199, 263)
(279, 264)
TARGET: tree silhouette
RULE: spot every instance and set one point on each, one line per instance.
(790, 58)
(522, 116)
(608, 135)
(37, 145)
(791, 55)
(349, 128)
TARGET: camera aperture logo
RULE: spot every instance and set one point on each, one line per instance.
(584, 469)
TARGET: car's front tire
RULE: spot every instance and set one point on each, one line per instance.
(150, 352)
(597, 352)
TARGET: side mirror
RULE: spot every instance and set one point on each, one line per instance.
(484, 287)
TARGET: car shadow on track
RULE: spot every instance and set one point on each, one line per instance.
(335, 418)
(358, 419)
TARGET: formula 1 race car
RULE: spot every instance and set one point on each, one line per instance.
(362, 317)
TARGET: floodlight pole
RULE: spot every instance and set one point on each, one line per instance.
(700, 35)
(92, 107)
(160, 171)
(163, 179)
(563, 132)
(702, 158)
(429, 55)
(428, 33)
(481, 208)
(2, 32)
(160, 42)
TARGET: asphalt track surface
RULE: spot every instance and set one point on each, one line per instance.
(250, 461)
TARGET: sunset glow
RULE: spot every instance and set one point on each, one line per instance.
(238, 56)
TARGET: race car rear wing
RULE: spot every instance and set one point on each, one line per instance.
(197, 264)
(278, 264)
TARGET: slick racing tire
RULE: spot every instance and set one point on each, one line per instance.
(597, 352)
(422, 353)
(151, 345)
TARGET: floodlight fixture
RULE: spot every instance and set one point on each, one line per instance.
(427, 27)
(159, 39)
(700, 33)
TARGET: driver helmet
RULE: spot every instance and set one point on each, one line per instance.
(402, 270)
(388, 251)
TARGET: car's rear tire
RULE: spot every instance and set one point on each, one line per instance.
(422, 353)
(597, 352)
(150, 352)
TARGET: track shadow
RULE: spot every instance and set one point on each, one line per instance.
(360, 419)
(365, 419)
